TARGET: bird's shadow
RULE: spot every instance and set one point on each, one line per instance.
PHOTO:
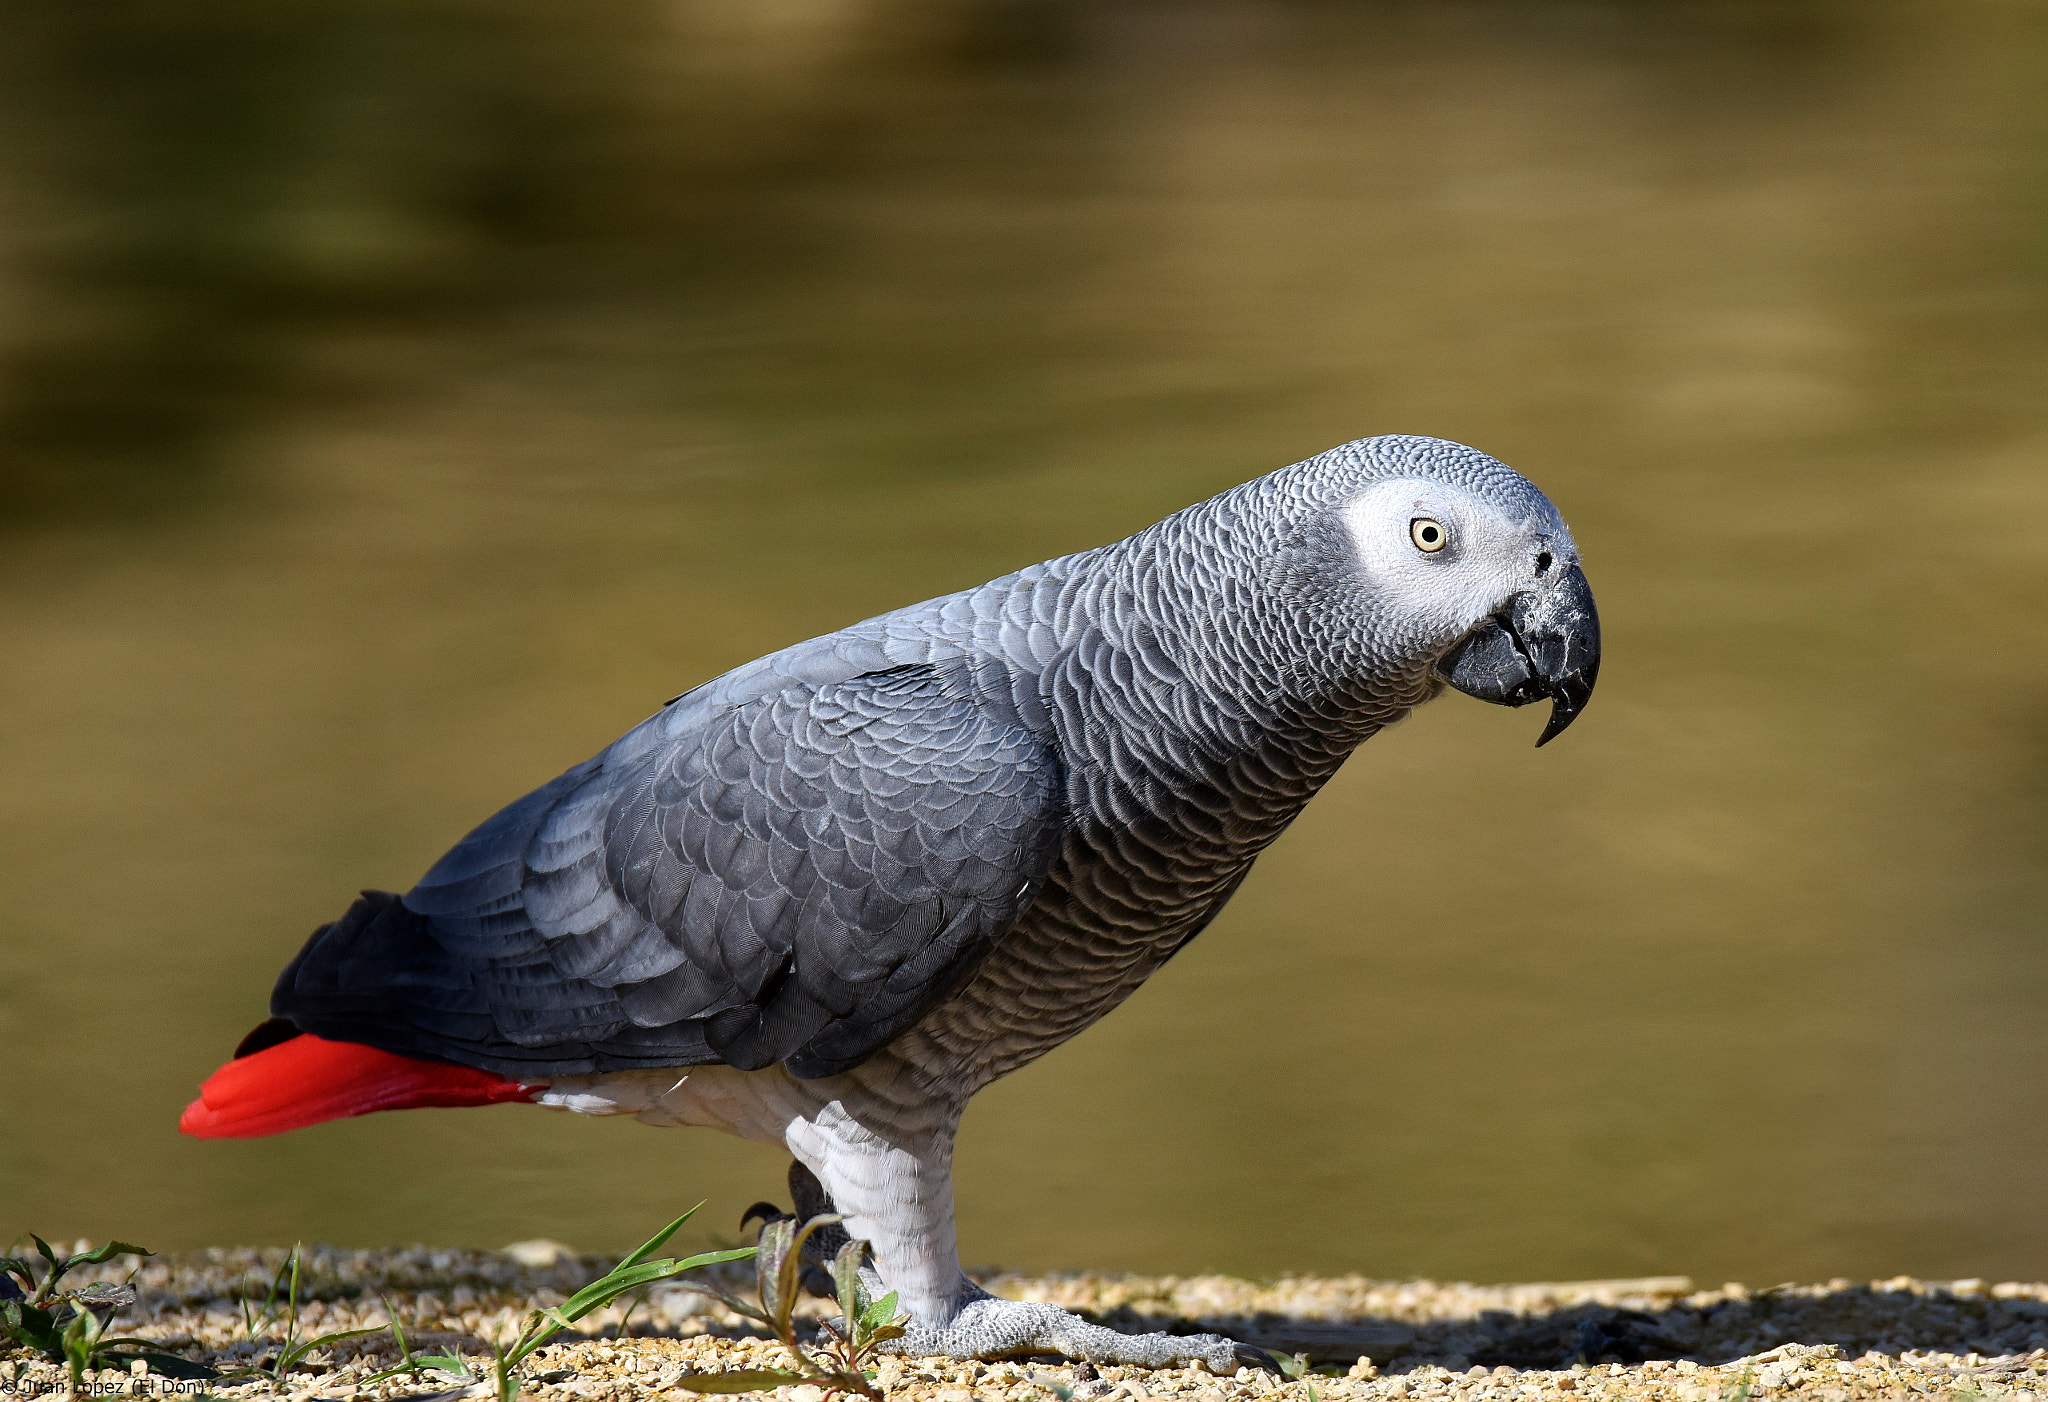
(1709, 1329)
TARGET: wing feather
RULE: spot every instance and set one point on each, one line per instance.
(792, 875)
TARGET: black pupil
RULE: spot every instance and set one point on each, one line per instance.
(1429, 535)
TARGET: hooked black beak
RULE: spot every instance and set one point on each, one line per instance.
(1545, 643)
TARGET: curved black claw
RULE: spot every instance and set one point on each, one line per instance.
(765, 1212)
(1253, 1357)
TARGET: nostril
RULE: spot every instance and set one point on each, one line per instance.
(1542, 561)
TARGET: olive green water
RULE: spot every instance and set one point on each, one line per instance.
(405, 396)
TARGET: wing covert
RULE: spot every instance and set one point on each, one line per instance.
(795, 878)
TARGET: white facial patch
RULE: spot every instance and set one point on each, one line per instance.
(1440, 556)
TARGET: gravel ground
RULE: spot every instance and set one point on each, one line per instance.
(1587, 1341)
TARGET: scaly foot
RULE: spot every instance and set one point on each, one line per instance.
(987, 1327)
(984, 1326)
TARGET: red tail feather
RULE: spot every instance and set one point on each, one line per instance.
(309, 1079)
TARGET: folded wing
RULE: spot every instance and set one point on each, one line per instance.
(795, 878)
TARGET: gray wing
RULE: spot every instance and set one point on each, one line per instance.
(793, 879)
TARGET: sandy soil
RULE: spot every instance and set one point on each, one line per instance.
(1658, 1338)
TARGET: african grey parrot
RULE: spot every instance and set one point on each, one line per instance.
(825, 898)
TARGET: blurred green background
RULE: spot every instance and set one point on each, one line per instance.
(402, 397)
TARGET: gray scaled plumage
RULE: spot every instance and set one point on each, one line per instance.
(825, 898)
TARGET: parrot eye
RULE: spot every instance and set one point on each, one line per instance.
(1428, 535)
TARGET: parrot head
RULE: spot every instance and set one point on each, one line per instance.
(1487, 579)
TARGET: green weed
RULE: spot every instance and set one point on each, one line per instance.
(634, 1273)
(842, 1362)
(293, 1347)
(70, 1326)
(407, 1362)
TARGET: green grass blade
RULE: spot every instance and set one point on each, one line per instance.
(636, 1271)
(393, 1371)
(655, 1242)
(752, 1380)
(270, 1295)
(445, 1363)
(109, 1252)
(712, 1258)
(298, 1351)
(602, 1292)
(407, 1363)
(609, 1288)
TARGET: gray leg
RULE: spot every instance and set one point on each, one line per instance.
(877, 1146)
(969, 1322)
